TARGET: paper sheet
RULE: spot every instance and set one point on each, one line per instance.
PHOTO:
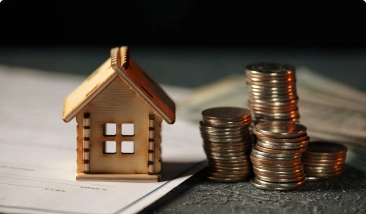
(37, 152)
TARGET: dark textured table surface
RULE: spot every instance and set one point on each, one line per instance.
(345, 193)
(192, 67)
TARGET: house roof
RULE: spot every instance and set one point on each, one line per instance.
(119, 65)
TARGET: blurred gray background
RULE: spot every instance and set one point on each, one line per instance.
(194, 66)
(186, 43)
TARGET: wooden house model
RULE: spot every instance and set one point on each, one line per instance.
(118, 110)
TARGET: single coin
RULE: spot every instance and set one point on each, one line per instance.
(226, 140)
(226, 113)
(256, 151)
(226, 180)
(322, 167)
(262, 76)
(271, 91)
(271, 104)
(226, 123)
(243, 160)
(204, 126)
(324, 157)
(279, 129)
(220, 154)
(325, 148)
(222, 161)
(209, 136)
(300, 174)
(258, 78)
(329, 161)
(329, 170)
(276, 172)
(226, 151)
(265, 187)
(209, 143)
(224, 133)
(273, 118)
(278, 168)
(228, 174)
(313, 174)
(280, 184)
(316, 178)
(289, 105)
(274, 158)
(261, 90)
(272, 83)
(282, 93)
(280, 151)
(263, 110)
(229, 168)
(269, 179)
(275, 162)
(282, 146)
(241, 147)
(228, 158)
(336, 164)
(270, 69)
(289, 114)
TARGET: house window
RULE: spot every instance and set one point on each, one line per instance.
(110, 129)
(111, 138)
(128, 129)
(110, 147)
(127, 147)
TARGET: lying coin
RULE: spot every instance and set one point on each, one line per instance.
(265, 187)
(289, 185)
(226, 113)
(326, 148)
(280, 151)
(269, 179)
(270, 69)
(279, 129)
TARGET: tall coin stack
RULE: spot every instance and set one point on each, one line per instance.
(227, 143)
(276, 156)
(323, 160)
(272, 92)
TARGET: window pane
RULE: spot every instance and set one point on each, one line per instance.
(128, 129)
(110, 129)
(128, 147)
(110, 147)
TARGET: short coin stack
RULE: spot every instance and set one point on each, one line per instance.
(227, 143)
(323, 160)
(272, 92)
(276, 156)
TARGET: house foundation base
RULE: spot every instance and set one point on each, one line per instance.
(118, 177)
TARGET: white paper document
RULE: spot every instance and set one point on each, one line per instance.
(38, 154)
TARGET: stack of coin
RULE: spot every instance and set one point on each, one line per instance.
(227, 143)
(323, 160)
(272, 93)
(276, 155)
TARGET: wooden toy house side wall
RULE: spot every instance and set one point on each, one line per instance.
(118, 104)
